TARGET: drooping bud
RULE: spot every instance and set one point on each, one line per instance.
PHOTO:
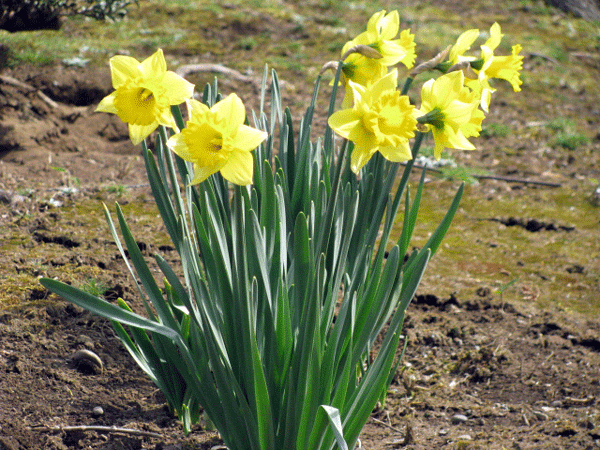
(364, 50)
(432, 63)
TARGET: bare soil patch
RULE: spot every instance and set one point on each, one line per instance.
(478, 373)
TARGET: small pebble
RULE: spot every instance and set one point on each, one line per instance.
(458, 418)
(88, 362)
(443, 432)
(97, 411)
(465, 437)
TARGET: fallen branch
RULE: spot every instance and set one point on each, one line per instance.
(102, 429)
(495, 177)
(381, 422)
(546, 57)
(14, 82)
(185, 70)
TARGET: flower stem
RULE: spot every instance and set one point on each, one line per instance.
(406, 86)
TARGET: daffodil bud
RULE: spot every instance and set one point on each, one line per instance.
(364, 50)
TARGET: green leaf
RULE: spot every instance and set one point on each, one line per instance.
(105, 309)
(333, 414)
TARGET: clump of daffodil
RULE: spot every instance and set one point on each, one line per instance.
(363, 67)
(380, 120)
(216, 140)
(144, 93)
(488, 65)
(451, 111)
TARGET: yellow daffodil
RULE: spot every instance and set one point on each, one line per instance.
(144, 93)
(450, 110)
(216, 139)
(380, 120)
(380, 36)
(488, 65)
(504, 67)
(463, 44)
(381, 33)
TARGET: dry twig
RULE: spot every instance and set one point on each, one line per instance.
(102, 429)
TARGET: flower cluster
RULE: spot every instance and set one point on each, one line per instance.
(267, 324)
(214, 140)
(376, 117)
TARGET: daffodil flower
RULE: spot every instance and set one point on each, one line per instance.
(144, 93)
(463, 44)
(380, 120)
(504, 67)
(216, 140)
(380, 35)
(450, 110)
(488, 65)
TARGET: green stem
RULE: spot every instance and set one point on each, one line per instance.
(406, 86)
(409, 164)
(325, 231)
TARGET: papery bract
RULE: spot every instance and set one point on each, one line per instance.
(144, 93)
(381, 120)
(216, 139)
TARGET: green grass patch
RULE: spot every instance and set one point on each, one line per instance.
(495, 130)
(570, 141)
(95, 287)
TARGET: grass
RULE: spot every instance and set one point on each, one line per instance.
(94, 287)
(570, 141)
(495, 130)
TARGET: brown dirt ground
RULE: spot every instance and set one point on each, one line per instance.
(478, 373)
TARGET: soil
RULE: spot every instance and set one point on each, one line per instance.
(481, 371)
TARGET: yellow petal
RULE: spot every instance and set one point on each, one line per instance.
(446, 88)
(495, 37)
(374, 21)
(122, 69)
(398, 153)
(239, 168)
(439, 139)
(202, 173)
(107, 104)
(365, 146)
(232, 110)
(458, 112)
(154, 66)
(137, 133)
(177, 88)
(463, 43)
(196, 109)
(386, 83)
(458, 140)
(392, 52)
(407, 41)
(165, 117)
(248, 138)
(342, 122)
(178, 145)
(388, 25)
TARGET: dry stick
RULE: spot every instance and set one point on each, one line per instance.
(14, 82)
(187, 69)
(381, 422)
(495, 177)
(102, 429)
